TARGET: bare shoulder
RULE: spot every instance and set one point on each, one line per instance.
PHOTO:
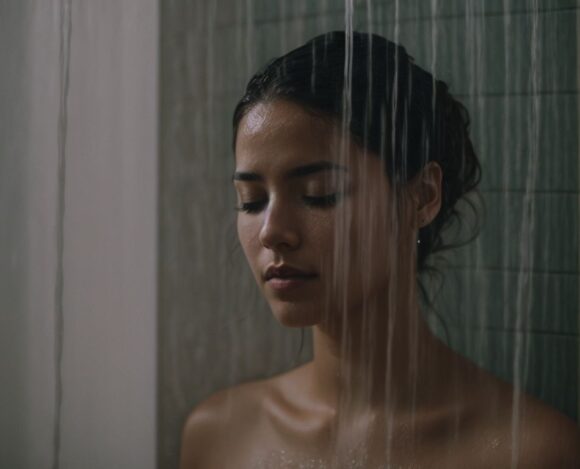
(509, 422)
(548, 437)
(210, 429)
(541, 436)
(216, 427)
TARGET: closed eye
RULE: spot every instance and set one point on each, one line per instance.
(325, 201)
(251, 207)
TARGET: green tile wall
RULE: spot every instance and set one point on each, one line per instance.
(550, 231)
(544, 363)
(493, 54)
(503, 137)
(489, 299)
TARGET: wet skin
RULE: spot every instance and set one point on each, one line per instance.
(382, 390)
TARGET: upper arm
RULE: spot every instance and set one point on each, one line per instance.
(215, 429)
(564, 447)
(192, 442)
(199, 435)
(551, 441)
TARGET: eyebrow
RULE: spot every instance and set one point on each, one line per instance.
(297, 172)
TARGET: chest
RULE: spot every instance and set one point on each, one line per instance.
(402, 449)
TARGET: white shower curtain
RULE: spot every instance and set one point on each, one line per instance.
(78, 233)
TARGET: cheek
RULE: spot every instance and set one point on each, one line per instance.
(319, 239)
(248, 235)
(373, 242)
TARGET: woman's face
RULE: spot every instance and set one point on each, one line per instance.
(313, 203)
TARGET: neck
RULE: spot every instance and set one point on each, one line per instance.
(384, 360)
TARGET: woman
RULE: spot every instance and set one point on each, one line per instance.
(349, 162)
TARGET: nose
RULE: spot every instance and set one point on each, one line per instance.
(279, 230)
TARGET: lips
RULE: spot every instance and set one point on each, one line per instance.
(286, 281)
(286, 272)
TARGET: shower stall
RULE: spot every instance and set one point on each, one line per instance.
(125, 297)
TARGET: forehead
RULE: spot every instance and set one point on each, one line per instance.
(280, 134)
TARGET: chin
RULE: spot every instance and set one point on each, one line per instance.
(295, 315)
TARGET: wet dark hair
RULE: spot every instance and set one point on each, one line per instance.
(395, 109)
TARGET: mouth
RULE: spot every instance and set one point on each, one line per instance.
(282, 284)
(285, 277)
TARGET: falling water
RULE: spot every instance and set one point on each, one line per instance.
(463, 44)
(494, 305)
(526, 237)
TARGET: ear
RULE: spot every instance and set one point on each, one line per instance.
(426, 188)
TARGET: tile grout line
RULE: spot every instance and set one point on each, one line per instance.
(538, 192)
(510, 270)
(482, 329)
(226, 93)
(420, 18)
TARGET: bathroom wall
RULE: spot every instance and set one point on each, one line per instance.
(510, 300)
(94, 407)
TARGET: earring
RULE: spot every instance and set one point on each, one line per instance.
(418, 241)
